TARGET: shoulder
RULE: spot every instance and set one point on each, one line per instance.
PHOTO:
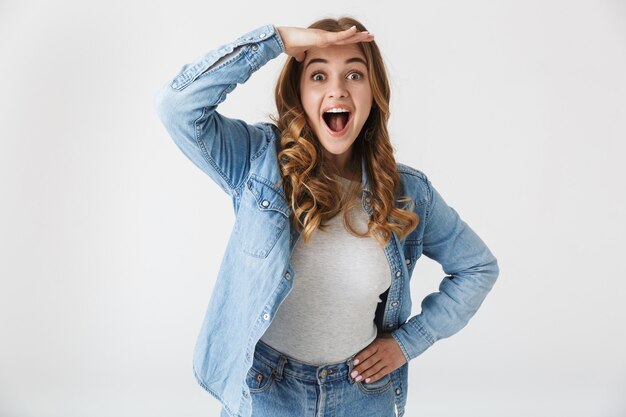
(410, 172)
(415, 183)
(267, 134)
(272, 130)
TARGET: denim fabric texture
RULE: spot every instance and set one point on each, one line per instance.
(281, 386)
(256, 275)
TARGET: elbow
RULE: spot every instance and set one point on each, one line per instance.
(492, 271)
(486, 271)
(162, 103)
(169, 105)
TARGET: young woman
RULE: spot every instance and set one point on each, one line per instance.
(328, 228)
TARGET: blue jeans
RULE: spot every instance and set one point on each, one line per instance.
(281, 386)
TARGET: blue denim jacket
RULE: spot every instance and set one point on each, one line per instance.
(256, 274)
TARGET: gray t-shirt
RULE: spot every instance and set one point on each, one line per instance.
(338, 278)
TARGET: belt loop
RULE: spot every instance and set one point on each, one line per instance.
(350, 364)
(350, 361)
(278, 371)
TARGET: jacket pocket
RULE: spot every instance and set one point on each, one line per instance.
(262, 216)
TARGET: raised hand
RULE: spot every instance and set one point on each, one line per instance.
(298, 40)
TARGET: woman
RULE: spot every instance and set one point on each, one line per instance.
(328, 228)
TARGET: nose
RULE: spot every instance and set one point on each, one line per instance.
(337, 88)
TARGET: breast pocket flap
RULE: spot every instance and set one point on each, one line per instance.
(268, 196)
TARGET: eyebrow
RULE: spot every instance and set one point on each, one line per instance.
(324, 61)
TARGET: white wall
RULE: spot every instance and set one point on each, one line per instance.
(110, 239)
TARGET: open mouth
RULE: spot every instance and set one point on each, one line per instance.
(337, 120)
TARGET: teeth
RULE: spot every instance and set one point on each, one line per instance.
(337, 110)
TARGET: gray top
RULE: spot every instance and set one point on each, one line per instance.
(338, 278)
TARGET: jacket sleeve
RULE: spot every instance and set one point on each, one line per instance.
(219, 146)
(471, 273)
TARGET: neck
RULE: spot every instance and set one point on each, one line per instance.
(342, 167)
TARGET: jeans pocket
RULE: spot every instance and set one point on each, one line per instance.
(260, 376)
(376, 387)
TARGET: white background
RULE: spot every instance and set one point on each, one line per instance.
(110, 239)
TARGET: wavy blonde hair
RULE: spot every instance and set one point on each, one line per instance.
(308, 178)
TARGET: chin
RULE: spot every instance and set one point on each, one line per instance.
(337, 150)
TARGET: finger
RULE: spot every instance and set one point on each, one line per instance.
(372, 370)
(369, 378)
(345, 33)
(364, 36)
(366, 364)
(359, 37)
(361, 358)
(331, 38)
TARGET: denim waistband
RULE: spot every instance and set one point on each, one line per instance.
(283, 364)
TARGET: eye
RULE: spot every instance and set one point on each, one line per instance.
(318, 76)
(355, 75)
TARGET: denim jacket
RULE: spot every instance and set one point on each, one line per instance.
(256, 274)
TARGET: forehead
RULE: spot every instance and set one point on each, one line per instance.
(335, 54)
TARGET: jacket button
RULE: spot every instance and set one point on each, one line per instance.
(367, 199)
(265, 203)
(398, 273)
(394, 304)
(287, 275)
(408, 262)
(255, 47)
(266, 316)
(398, 391)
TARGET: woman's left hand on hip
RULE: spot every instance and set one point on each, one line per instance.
(378, 359)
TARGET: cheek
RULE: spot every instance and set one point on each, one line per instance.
(365, 96)
(309, 103)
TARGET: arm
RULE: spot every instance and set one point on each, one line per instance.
(219, 146)
(471, 273)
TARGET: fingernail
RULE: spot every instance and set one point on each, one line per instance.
(358, 378)
(367, 380)
(354, 373)
(356, 362)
